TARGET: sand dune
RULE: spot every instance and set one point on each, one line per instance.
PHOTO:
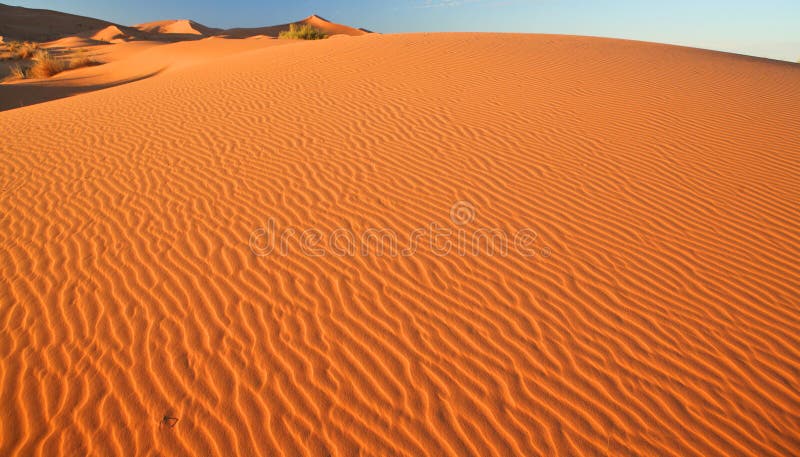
(658, 316)
(188, 28)
(27, 24)
(179, 26)
(111, 34)
(45, 25)
(324, 25)
(73, 33)
(123, 63)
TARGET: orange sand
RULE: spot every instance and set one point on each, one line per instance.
(660, 315)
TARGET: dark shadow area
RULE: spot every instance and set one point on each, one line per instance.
(14, 96)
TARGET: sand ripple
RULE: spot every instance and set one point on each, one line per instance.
(664, 183)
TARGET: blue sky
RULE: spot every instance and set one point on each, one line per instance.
(767, 28)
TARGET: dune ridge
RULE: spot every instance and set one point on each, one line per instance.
(330, 28)
(28, 24)
(21, 23)
(110, 34)
(662, 181)
(179, 26)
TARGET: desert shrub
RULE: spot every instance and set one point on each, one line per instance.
(17, 72)
(302, 32)
(46, 65)
(83, 61)
(13, 46)
(23, 51)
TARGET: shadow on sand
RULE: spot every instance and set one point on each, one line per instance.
(14, 96)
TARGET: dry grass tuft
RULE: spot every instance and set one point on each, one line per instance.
(83, 61)
(46, 65)
(17, 72)
(23, 51)
(20, 51)
(302, 32)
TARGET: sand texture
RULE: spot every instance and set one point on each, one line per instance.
(658, 315)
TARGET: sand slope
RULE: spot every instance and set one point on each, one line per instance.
(123, 63)
(18, 23)
(176, 26)
(659, 317)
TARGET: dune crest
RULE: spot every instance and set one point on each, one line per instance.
(180, 26)
(325, 26)
(29, 24)
(110, 34)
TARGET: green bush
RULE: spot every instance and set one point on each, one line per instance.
(302, 32)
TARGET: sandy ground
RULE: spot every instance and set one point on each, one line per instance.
(122, 63)
(654, 310)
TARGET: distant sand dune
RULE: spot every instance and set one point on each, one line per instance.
(180, 26)
(45, 25)
(324, 25)
(110, 34)
(659, 317)
(29, 24)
